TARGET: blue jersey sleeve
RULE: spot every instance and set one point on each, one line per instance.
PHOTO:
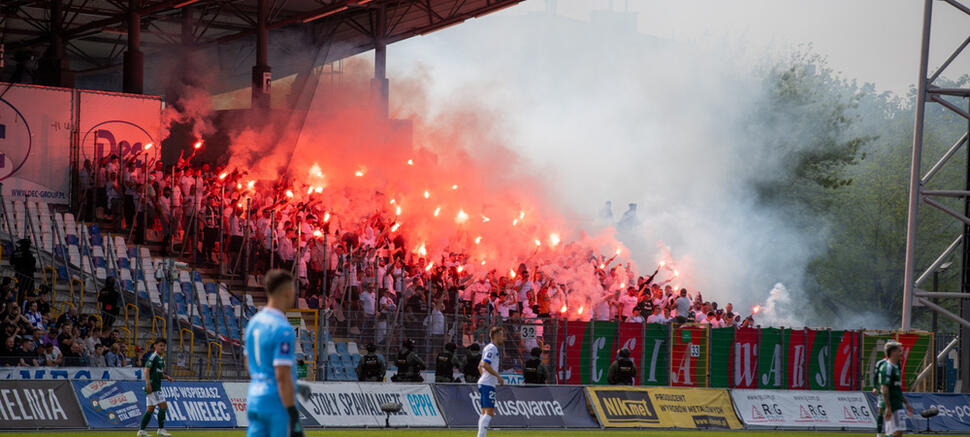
(283, 353)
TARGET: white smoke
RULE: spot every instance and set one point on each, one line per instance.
(606, 113)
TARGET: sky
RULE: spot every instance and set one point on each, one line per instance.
(875, 41)
(654, 113)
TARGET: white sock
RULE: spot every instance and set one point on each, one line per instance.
(483, 424)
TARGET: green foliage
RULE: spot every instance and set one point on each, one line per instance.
(848, 152)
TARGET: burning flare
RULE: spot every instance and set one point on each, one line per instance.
(461, 217)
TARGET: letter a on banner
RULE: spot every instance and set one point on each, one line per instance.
(771, 359)
(689, 351)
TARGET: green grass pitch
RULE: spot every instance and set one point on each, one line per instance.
(450, 433)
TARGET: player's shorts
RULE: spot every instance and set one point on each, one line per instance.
(275, 424)
(897, 423)
(154, 398)
(488, 395)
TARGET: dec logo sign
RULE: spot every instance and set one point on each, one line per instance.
(15, 140)
(115, 137)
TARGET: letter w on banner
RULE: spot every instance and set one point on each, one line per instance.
(744, 358)
(688, 358)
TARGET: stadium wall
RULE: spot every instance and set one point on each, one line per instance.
(119, 404)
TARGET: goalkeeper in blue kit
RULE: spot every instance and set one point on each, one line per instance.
(271, 361)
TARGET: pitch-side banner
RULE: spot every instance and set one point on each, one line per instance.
(954, 411)
(121, 404)
(658, 407)
(238, 392)
(72, 373)
(359, 405)
(39, 405)
(118, 124)
(803, 409)
(518, 406)
(35, 142)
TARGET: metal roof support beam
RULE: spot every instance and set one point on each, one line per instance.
(262, 74)
(134, 72)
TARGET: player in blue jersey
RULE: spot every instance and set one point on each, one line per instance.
(488, 368)
(271, 363)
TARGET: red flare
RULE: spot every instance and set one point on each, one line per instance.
(478, 239)
(326, 217)
(580, 312)
(512, 273)
(289, 194)
(454, 187)
(221, 175)
(395, 227)
(437, 211)
(410, 162)
(148, 146)
(238, 186)
(554, 239)
(563, 309)
(317, 233)
(430, 265)
(461, 217)
(460, 268)
(251, 184)
(197, 145)
(756, 309)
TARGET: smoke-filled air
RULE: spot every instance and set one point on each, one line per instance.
(650, 162)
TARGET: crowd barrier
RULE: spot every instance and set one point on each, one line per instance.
(800, 409)
(662, 407)
(107, 404)
(517, 406)
(72, 373)
(954, 411)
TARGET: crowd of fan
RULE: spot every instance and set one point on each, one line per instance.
(31, 335)
(356, 266)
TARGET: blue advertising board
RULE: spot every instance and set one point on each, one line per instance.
(954, 411)
(121, 404)
(532, 406)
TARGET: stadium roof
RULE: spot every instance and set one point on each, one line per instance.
(95, 31)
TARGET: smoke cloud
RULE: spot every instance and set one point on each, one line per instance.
(606, 113)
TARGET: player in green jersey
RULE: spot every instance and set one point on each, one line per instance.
(891, 387)
(154, 372)
(875, 391)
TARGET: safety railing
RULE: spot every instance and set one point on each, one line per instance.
(65, 305)
(186, 340)
(209, 357)
(100, 321)
(134, 320)
(125, 334)
(158, 333)
(80, 290)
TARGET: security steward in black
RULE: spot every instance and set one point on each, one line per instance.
(534, 372)
(445, 364)
(622, 370)
(371, 367)
(409, 364)
(471, 364)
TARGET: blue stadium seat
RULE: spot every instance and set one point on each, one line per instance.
(99, 262)
(341, 348)
(209, 287)
(196, 277)
(132, 252)
(72, 240)
(124, 263)
(351, 373)
(86, 251)
(355, 359)
(62, 272)
(128, 285)
(95, 240)
(94, 230)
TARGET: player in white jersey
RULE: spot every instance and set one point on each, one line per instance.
(488, 368)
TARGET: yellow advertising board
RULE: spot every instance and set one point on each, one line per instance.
(663, 407)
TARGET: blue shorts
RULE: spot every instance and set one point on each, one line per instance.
(488, 396)
(268, 425)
